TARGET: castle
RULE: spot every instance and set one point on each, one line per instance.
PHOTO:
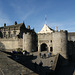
(54, 41)
(17, 36)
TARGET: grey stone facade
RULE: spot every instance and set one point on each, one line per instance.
(57, 42)
(18, 36)
(12, 31)
(11, 37)
(29, 41)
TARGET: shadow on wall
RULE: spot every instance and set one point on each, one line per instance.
(1, 35)
(2, 47)
(71, 51)
(64, 67)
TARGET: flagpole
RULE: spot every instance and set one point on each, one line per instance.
(45, 19)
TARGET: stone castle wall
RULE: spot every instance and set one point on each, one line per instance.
(20, 43)
(10, 44)
(56, 40)
(71, 46)
(44, 38)
(71, 36)
(27, 42)
(60, 43)
(71, 50)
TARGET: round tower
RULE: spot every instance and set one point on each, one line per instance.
(60, 43)
(27, 42)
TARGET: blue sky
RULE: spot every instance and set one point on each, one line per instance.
(60, 13)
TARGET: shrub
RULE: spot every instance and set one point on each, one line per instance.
(19, 50)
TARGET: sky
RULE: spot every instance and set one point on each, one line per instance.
(60, 13)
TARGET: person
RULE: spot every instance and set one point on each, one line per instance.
(35, 64)
(51, 62)
(44, 55)
(11, 51)
(48, 54)
(40, 54)
(23, 52)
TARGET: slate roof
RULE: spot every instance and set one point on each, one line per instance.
(12, 26)
(18, 26)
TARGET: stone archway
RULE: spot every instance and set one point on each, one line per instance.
(44, 47)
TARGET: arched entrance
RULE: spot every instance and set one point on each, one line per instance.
(44, 47)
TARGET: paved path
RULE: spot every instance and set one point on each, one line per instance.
(25, 66)
(11, 67)
(46, 61)
(68, 69)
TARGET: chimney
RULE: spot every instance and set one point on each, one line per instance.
(4, 24)
(15, 22)
(28, 27)
(56, 29)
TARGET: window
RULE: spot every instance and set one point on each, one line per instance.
(51, 49)
(51, 41)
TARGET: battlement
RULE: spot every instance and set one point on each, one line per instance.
(44, 33)
(62, 31)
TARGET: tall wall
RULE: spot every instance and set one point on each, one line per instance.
(10, 44)
(34, 42)
(60, 43)
(27, 42)
(20, 43)
(71, 46)
(71, 50)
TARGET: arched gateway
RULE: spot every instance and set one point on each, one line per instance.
(44, 47)
(45, 39)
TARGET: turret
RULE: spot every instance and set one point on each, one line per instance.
(27, 41)
(60, 43)
(28, 27)
(4, 24)
(15, 23)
